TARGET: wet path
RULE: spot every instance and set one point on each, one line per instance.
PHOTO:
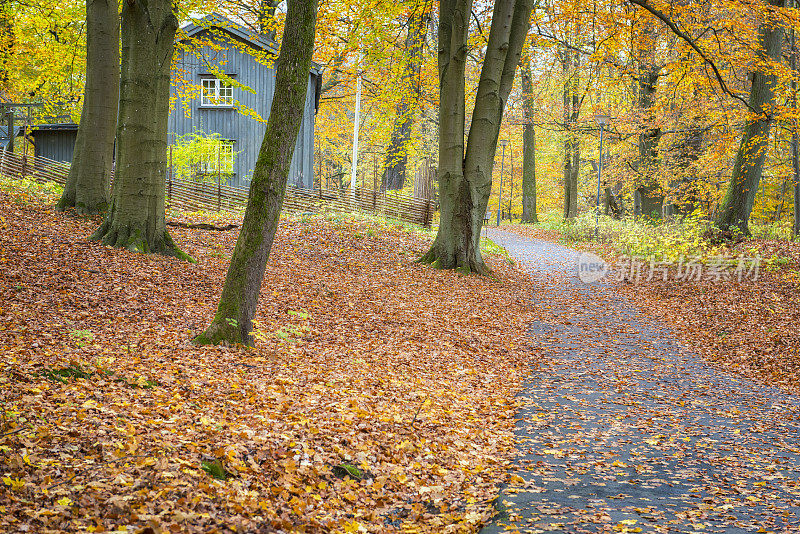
(628, 432)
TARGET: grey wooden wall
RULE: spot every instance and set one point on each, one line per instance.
(230, 55)
(55, 144)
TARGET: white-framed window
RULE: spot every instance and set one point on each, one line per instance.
(216, 92)
(219, 157)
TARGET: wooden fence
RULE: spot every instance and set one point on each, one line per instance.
(209, 196)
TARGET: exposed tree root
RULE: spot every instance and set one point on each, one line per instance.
(458, 262)
(132, 239)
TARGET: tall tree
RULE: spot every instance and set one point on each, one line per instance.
(465, 176)
(136, 218)
(529, 214)
(86, 190)
(572, 152)
(6, 41)
(649, 191)
(394, 173)
(741, 193)
(233, 322)
(795, 137)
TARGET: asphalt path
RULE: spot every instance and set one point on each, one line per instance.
(627, 431)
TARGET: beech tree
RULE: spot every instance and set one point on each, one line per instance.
(529, 214)
(86, 190)
(741, 193)
(233, 322)
(465, 176)
(394, 174)
(135, 220)
(570, 62)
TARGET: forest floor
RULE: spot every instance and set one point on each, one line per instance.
(380, 396)
(748, 326)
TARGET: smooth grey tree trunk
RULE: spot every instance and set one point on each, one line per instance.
(233, 322)
(86, 190)
(529, 214)
(394, 167)
(650, 192)
(465, 177)
(795, 140)
(136, 219)
(572, 154)
(749, 163)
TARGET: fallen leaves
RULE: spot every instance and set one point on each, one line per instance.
(365, 359)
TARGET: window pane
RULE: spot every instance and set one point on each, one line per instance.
(209, 91)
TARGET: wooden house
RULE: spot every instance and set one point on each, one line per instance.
(223, 84)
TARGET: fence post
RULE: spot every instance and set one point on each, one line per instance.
(427, 219)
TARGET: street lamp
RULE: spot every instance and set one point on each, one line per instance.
(602, 120)
(503, 143)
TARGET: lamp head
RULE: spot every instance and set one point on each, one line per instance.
(503, 142)
(602, 120)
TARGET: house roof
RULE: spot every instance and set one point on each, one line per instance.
(62, 126)
(215, 20)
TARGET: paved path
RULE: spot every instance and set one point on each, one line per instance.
(628, 432)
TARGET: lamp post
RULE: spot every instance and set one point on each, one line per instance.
(602, 120)
(503, 143)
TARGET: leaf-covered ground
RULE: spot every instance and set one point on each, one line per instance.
(750, 327)
(380, 397)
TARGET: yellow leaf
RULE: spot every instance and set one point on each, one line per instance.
(89, 404)
(64, 501)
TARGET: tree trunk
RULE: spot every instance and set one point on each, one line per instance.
(7, 40)
(394, 173)
(796, 169)
(86, 190)
(572, 154)
(529, 214)
(651, 193)
(465, 179)
(233, 322)
(795, 140)
(135, 220)
(742, 189)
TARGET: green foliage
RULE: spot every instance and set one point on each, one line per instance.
(215, 469)
(63, 375)
(490, 247)
(197, 156)
(347, 470)
(288, 333)
(28, 191)
(781, 230)
(81, 337)
(668, 241)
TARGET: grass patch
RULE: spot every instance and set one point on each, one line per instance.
(27, 191)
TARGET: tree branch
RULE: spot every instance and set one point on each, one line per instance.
(686, 37)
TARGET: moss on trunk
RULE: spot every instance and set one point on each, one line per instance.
(741, 193)
(233, 322)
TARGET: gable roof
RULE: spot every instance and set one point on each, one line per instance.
(256, 40)
(215, 20)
